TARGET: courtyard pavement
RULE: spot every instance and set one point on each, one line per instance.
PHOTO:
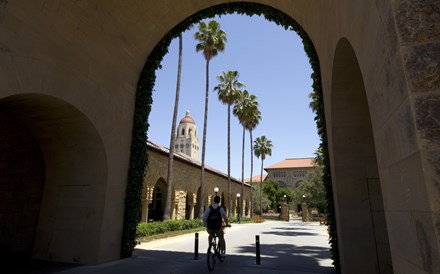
(285, 247)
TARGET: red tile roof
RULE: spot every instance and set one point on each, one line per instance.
(187, 119)
(293, 163)
(255, 178)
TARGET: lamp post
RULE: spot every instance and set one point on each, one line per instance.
(285, 200)
(216, 190)
(238, 200)
(305, 210)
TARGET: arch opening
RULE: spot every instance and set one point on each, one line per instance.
(147, 80)
(62, 178)
(362, 230)
(158, 198)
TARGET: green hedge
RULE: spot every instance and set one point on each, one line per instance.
(154, 228)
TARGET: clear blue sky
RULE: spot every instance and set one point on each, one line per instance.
(272, 63)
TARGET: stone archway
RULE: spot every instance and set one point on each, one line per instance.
(63, 170)
(82, 52)
(224, 202)
(362, 230)
(158, 198)
(189, 206)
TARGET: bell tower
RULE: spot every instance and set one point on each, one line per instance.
(187, 139)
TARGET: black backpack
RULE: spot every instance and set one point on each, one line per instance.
(214, 218)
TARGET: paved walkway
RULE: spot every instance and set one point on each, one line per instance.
(286, 247)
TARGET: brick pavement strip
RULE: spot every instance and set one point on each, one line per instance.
(286, 247)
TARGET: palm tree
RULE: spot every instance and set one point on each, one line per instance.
(244, 106)
(252, 122)
(228, 91)
(211, 40)
(262, 147)
(167, 211)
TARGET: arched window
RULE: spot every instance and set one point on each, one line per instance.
(183, 131)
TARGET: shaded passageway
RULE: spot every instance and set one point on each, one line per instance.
(286, 247)
(76, 120)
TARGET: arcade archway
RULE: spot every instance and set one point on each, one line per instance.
(362, 229)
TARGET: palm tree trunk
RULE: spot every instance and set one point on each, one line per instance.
(205, 128)
(242, 171)
(170, 175)
(261, 188)
(252, 167)
(229, 159)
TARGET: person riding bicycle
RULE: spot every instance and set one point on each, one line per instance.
(212, 220)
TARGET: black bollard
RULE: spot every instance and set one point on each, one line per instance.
(257, 243)
(196, 247)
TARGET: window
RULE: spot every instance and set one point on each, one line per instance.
(189, 131)
(299, 174)
(183, 131)
(279, 174)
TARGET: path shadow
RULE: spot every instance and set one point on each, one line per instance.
(293, 229)
(291, 233)
(13, 265)
(275, 258)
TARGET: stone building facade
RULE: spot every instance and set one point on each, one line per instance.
(290, 171)
(186, 187)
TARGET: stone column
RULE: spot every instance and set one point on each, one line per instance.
(305, 213)
(284, 215)
(144, 217)
(145, 203)
(191, 213)
(180, 205)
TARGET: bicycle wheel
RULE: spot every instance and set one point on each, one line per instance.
(211, 257)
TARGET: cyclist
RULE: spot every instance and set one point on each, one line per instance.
(213, 222)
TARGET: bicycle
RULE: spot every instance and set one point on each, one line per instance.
(214, 252)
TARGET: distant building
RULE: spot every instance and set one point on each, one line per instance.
(256, 179)
(187, 139)
(186, 192)
(290, 171)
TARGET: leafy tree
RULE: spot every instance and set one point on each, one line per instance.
(270, 189)
(312, 190)
(285, 191)
(211, 40)
(256, 197)
(275, 193)
(228, 92)
(170, 175)
(262, 147)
